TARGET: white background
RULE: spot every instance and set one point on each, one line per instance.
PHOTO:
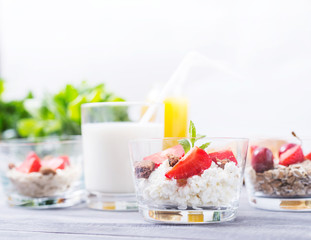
(133, 44)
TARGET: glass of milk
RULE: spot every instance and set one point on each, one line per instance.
(107, 128)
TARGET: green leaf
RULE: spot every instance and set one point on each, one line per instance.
(1, 87)
(205, 145)
(199, 136)
(29, 95)
(185, 144)
(74, 108)
(117, 99)
(192, 133)
(52, 127)
(71, 93)
(30, 127)
(55, 114)
(94, 96)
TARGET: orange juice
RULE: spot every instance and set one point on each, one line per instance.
(176, 118)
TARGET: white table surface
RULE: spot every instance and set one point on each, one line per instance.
(82, 223)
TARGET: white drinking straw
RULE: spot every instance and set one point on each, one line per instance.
(178, 79)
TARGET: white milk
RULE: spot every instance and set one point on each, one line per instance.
(106, 155)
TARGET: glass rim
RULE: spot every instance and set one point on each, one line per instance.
(179, 138)
(25, 142)
(278, 138)
(126, 103)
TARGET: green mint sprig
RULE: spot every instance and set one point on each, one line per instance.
(187, 145)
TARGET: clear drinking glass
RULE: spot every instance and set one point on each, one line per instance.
(42, 173)
(106, 129)
(210, 195)
(275, 186)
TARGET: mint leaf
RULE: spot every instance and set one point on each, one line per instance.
(185, 144)
(192, 133)
(199, 136)
(205, 145)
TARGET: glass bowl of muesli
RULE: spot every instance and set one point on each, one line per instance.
(42, 172)
(278, 174)
(190, 180)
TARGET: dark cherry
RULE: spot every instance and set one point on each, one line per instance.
(262, 159)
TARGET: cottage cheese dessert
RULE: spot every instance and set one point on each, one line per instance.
(216, 186)
(288, 174)
(187, 176)
(43, 178)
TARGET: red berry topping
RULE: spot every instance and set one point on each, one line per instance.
(159, 157)
(285, 147)
(308, 156)
(56, 163)
(262, 159)
(222, 155)
(31, 164)
(66, 160)
(193, 163)
(292, 156)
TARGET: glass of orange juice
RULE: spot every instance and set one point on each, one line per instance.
(176, 118)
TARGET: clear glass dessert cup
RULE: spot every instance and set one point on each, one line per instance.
(196, 187)
(278, 174)
(43, 172)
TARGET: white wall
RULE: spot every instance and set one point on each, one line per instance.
(132, 44)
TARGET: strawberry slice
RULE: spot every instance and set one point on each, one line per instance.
(292, 156)
(308, 156)
(159, 157)
(31, 164)
(193, 163)
(55, 163)
(222, 155)
(66, 160)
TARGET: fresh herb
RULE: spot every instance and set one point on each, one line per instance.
(1, 87)
(192, 133)
(193, 138)
(204, 146)
(10, 113)
(185, 144)
(55, 114)
(61, 114)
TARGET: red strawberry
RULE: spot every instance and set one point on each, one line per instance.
(308, 156)
(222, 155)
(160, 157)
(285, 147)
(66, 160)
(55, 163)
(292, 156)
(31, 164)
(193, 163)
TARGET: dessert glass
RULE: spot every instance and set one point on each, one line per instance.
(212, 196)
(106, 129)
(43, 187)
(280, 188)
